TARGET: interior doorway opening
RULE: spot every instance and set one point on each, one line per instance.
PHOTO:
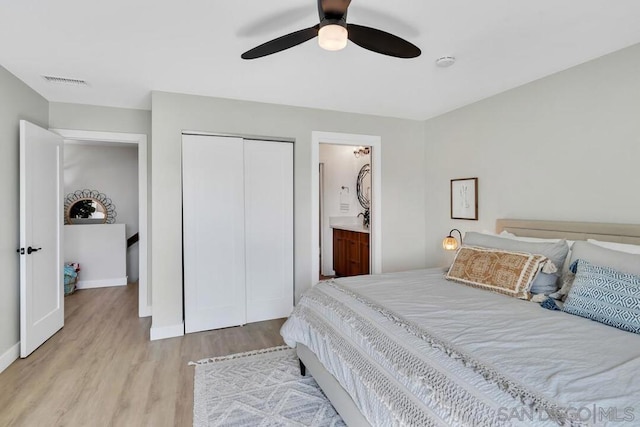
(126, 143)
(101, 215)
(345, 203)
(375, 212)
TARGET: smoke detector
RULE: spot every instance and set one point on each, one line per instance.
(445, 61)
(65, 81)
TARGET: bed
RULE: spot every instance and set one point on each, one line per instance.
(412, 348)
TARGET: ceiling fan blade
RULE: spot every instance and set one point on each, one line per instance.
(382, 42)
(281, 43)
(275, 21)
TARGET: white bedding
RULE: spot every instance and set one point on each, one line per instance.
(414, 349)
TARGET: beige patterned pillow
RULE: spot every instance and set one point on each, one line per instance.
(506, 272)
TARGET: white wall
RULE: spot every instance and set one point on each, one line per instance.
(566, 147)
(101, 251)
(402, 183)
(112, 170)
(341, 168)
(95, 118)
(17, 101)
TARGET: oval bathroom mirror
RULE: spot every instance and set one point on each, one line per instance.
(363, 186)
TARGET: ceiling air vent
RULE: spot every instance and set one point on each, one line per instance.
(65, 81)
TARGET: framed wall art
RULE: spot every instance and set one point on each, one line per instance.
(464, 198)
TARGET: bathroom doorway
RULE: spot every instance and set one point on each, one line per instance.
(345, 203)
(339, 160)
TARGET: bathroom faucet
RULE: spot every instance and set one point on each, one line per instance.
(365, 218)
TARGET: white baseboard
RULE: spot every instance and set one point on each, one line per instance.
(104, 283)
(144, 311)
(160, 333)
(9, 356)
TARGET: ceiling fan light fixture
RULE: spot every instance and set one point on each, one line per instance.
(333, 32)
(333, 37)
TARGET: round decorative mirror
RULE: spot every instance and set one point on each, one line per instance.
(88, 207)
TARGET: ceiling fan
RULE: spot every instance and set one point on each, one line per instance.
(333, 32)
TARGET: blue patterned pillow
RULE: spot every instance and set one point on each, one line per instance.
(605, 295)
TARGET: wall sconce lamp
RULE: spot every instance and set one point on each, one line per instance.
(361, 151)
(450, 243)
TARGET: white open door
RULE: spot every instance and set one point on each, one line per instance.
(41, 265)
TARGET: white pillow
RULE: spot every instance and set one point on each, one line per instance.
(509, 235)
(604, 257)
(622, 247)
(565, 267)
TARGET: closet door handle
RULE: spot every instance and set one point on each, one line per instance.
(30, 249)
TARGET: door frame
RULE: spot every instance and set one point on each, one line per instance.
(335, 138)
(96, 138)
(321, 242)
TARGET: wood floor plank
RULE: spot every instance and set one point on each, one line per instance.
(102, 370)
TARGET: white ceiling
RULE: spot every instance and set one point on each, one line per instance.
(126, 48)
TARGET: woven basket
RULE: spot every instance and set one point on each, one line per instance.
(70, 284)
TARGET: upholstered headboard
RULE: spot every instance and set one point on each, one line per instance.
(621, 233)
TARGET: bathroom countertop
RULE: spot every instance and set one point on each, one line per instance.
(351, 227)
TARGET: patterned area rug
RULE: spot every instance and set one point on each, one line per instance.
(260, 388)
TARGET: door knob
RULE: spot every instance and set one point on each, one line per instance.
(30, 249)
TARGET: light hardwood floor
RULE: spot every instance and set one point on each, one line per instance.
(102, 370)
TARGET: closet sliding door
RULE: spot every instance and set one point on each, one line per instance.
(268, 168)
(214, 234)
(237, 231)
